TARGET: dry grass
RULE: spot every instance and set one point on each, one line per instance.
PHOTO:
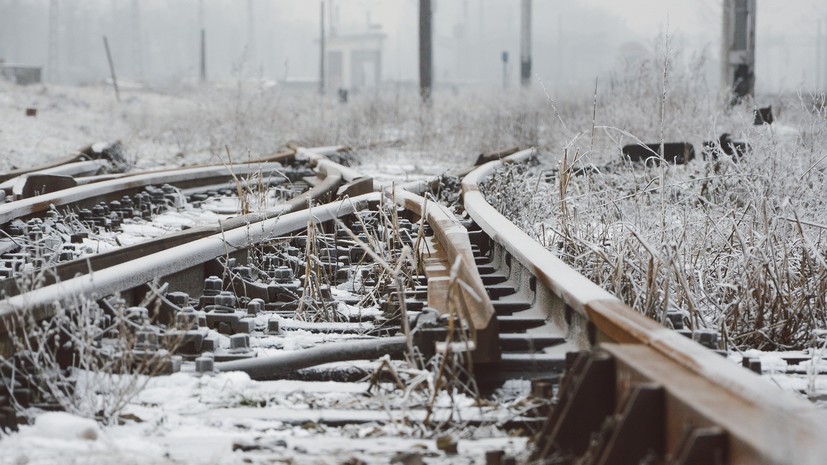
(735, 246)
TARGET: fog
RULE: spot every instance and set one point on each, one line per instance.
(158, 41)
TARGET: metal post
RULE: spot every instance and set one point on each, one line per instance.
(818, 57)
(111, 69)
(505, 70)
(525, 45)
(321, 49)
(738, 50)
(425, 51)
(203, 38)
(823, 41)
(203, 55)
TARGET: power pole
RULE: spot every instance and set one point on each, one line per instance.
(525, 45)
(426, 66)
(738, 48)
(504, 57)
(821, 57)
(203, 44)
(203, 55)
(54, 31)
(321, 48)
(818, 57)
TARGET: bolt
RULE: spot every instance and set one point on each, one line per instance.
(541, 388)
(180, 299)
(186, 319)
(226, 299)
(213, 285)
(78, 238)
(283, 274)
(447, 444)
(35, 233)
(137, 314)
(273, 326)
(255, 306)
(146, 340)
(204, 364)
(706, 338)
(245, 272)
(240, 342)
(494, 457)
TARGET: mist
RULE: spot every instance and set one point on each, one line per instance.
(157, 42)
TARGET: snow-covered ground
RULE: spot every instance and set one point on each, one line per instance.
(192, 418)
(227, 419)
(187, 418)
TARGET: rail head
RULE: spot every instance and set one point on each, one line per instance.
(781, 428)
(453, 238)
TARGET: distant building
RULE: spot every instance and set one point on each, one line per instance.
(632, 52)
(354, 61)
(20, 74)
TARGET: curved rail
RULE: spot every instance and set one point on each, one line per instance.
(323, 192)
(114, 188)
(100, 151)
(762, 424)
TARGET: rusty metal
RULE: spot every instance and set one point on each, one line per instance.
(713, 408)
(90, 152)
(635, 392)
(116, 188)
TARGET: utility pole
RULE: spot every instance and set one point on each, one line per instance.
(738, 48)
(203, 45)
(525, 45)
(818, 57)
(321, 48)
(203, 55)
(54, 31)
(426, 66)
(505, 69)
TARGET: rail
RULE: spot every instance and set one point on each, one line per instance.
(702, 389)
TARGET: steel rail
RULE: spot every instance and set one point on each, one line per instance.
(90, 152)
(112, 186)
(186, 261)
(122, 270)
(281, 157)
(455, 245)
(762, 424)
(323, 192)
(74, 169)
(282, 365)
(115, 188)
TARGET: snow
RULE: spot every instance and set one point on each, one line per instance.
(64, 426)
(199, 419)
(191, 418)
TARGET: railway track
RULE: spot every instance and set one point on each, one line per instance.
(401, 296)
(66, 227)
